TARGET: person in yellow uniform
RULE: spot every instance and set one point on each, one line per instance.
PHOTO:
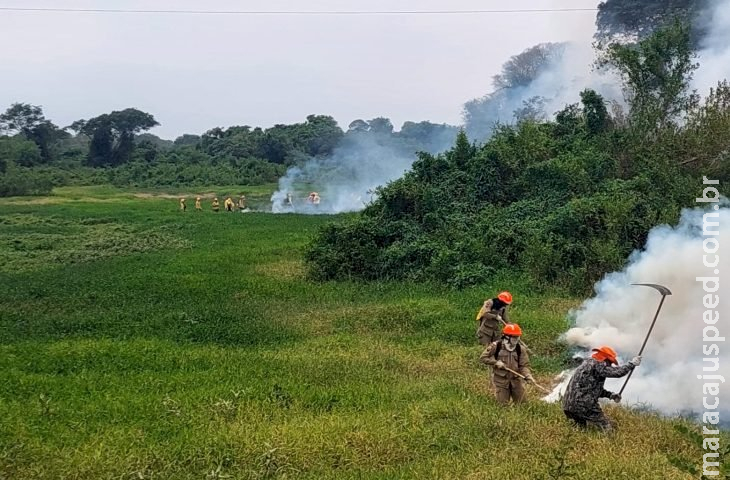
(242, 203)
(183, 207)
(198, 206)
(228, 203)
(491, 317)
(216, 206)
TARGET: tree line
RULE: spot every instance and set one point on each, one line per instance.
(117, 148)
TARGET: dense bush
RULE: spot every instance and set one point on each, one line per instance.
(562, 201)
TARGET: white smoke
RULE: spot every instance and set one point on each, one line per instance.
(714, 56)
(561, 83)
(620, 315)
(345, 181)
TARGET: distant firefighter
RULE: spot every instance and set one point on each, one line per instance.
(198, 206)
(242, 203)
(229, 204)
(313, 198)
(183, 207)
(216, 206)
(289, 202)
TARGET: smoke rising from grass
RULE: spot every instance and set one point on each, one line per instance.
(345, 181)
(620, 315)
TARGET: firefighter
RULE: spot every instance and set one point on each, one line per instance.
(228, 204)
(216, 206)
(580, 402)
(242, 203)
(183, 207)
(508, 359)
(198, 206)
(490, 318)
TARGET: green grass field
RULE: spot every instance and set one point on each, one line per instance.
(137, 341)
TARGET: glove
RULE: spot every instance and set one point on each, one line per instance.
(529, 379)
(616, 397)
(499, 364)
(636, 361)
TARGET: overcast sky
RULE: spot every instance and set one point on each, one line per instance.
(195, 72)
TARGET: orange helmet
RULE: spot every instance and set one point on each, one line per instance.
(506, 297)
(512, 329)
(605, 353)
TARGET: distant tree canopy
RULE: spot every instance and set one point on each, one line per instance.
(481, 115)
(638, 19)
(28, 121)
(523, 69)
(281, 144)
(112, 135)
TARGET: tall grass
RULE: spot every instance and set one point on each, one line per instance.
(208, 354)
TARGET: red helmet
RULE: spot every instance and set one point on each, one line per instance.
(512, 329)
(605, 353)
(506, 297)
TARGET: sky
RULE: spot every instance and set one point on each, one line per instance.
(196, 72)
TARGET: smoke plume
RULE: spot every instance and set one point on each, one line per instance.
(714, 56)
(620, 315)
(345, 181)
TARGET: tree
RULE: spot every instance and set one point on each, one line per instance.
(158, 142)
(637, 19)
(426, 136)
(595, 111)
(381, 125)
(533, 109)
(521, 70)
(482, 115)
(187, 139)
(21, 118)
(112, 135)
(321, 134)
(28, 120)
(657, 72)
(358, 126)
(19, 151)
(277, 144)
(462, 151)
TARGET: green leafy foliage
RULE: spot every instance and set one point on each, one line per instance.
(561, 201)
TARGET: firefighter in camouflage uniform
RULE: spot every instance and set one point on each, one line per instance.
(580, 402)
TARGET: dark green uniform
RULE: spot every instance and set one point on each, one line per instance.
(580, 402)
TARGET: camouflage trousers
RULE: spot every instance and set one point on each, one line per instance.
(587, 418)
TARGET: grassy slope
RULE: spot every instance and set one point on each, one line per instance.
(140, 342)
